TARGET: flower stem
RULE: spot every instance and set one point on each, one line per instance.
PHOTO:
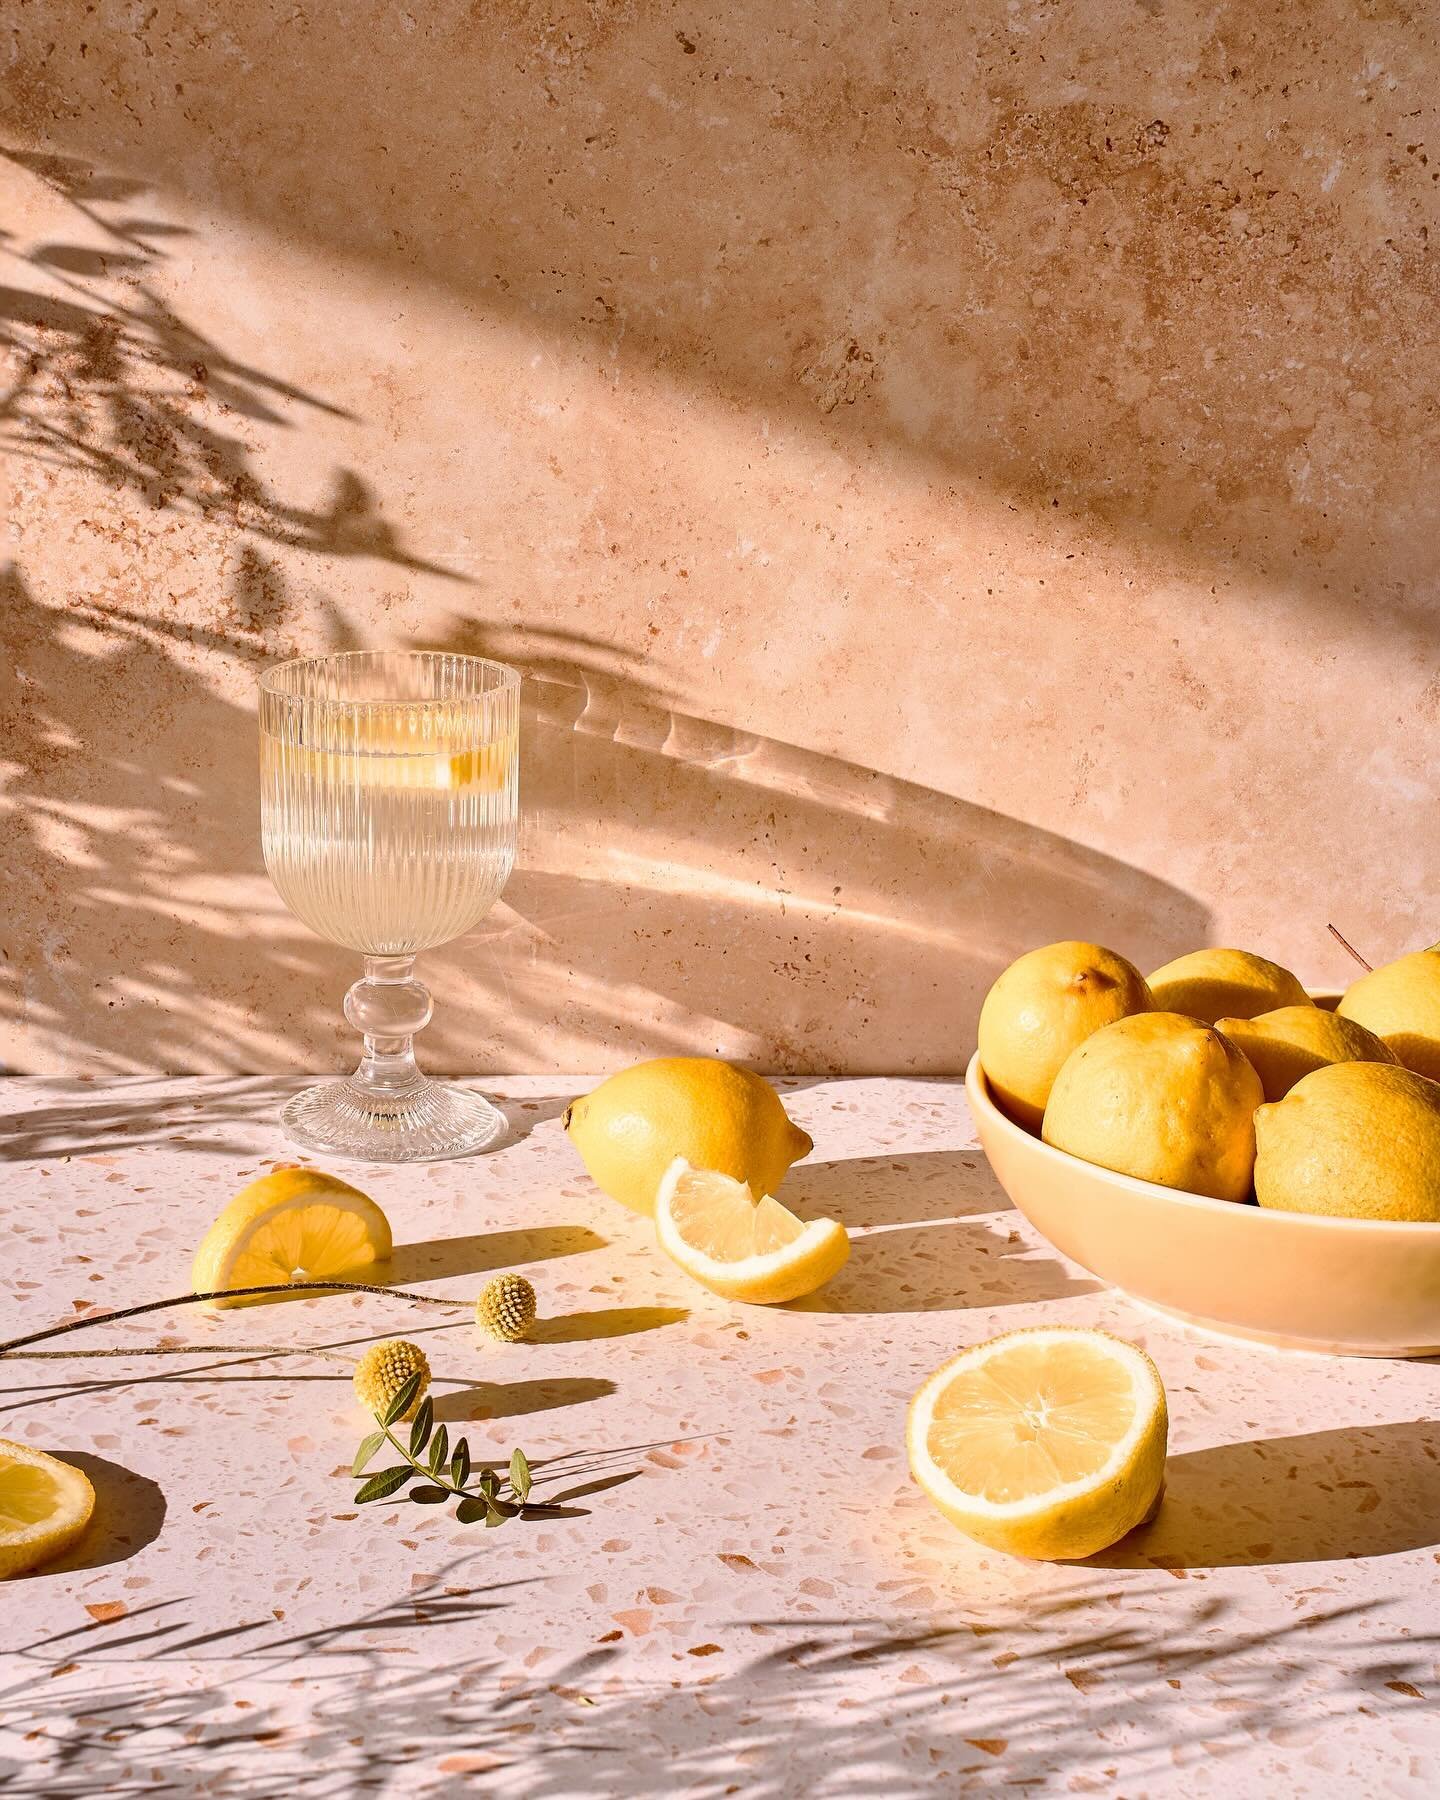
(277, 1287)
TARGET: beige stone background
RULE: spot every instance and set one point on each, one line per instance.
(954, 476)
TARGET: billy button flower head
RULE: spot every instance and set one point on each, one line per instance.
(506, 1309)
(384, 1370)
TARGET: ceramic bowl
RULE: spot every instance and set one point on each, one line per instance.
(1345, 1287)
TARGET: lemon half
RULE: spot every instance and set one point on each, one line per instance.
(741, 1246)
(45, 1504)
(1047, 1442)
(291, 1225)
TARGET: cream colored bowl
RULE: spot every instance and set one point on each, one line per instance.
(1349, 1287)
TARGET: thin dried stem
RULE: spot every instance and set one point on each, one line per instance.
(1342, 939)
(278, 1287)
(256, 1350)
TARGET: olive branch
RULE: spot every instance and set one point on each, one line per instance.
(444, 1473)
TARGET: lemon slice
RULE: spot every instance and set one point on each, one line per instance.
(381, 761)
(739, 1247)
(44, 1506)
(291, 1225)
(1048, 1442)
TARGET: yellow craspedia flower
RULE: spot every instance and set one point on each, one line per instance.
(506, 1309)
(384, 1369)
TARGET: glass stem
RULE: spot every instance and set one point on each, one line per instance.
(388, 1006)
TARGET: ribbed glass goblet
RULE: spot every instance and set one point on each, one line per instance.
(388, 817)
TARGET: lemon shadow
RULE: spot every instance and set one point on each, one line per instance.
(485, 1400)
(1317, 1496)
(129, 1513)
(605, 1322)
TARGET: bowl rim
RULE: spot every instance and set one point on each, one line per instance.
(977, 1091)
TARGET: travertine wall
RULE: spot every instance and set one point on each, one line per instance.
(957, 477)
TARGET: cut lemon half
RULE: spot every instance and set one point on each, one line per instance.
(1047, 1443)
(291, 1225)
(740, 1246)
(44, 1506)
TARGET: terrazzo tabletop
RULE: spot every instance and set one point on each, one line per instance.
(735, 1588)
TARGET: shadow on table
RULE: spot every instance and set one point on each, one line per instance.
(132, 1115)
(1054, 1692)
(129, 1512)
(1319, 1496)
(510, 1399)
(919, 1241)
(910, 1187)
(432, 1259)
(605, 1322)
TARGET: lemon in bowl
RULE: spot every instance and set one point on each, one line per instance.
(1041, 1008)
(1400, 1002)
(1353, 1140)
(1161, 1097)
(1211, 984)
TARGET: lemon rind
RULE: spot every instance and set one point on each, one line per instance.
(1145, 1384)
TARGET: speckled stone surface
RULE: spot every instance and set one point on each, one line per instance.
(741, 1591)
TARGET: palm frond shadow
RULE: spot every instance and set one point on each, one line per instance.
(758, 875)
(1029, 1697)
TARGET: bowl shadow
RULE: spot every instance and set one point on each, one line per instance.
(908, 1188)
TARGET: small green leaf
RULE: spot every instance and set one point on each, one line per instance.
(420, 1430)
(439, 1450)
(494, 1517)
(487, 1484)
(404, 1399)
(368, 1447)
(460, 1464)
(428, 1496)
(520, 1474)
(471, 1509)
(381, 1486)
(507, 1509)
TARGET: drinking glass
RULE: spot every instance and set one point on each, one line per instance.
(388, 812)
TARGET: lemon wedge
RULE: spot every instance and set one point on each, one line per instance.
(741, 1247)
(293, 1224)
(1048, 1442)
(44, 1506)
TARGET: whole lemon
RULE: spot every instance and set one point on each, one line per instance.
(715, 1115)
(1162, 1097)
(1211, 984)
(1401, 1003)
(1292, 1041)
(1040, 1008)
(1356, 1140)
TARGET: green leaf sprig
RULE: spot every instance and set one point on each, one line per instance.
(440, 1473)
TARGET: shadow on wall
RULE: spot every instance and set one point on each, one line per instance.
(684, 885)
(688, 885)
(109, 379)
(1183, 295)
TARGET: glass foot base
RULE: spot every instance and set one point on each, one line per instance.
(425, 1121)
